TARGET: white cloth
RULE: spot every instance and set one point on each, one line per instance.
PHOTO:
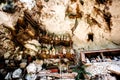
(31, 77)
(31, 68)
(8, 76)
(17, 73)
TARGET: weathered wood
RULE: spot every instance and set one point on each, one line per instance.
(95, 52)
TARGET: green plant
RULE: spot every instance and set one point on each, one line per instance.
(80, 69)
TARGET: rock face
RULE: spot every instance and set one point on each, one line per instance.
(92, 24)
(103, 68)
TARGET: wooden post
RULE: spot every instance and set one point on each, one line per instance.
(82, 56)
(103, 58)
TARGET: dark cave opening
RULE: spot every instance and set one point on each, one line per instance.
(90, 37)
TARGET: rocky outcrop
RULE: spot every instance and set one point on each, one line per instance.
(92, 24)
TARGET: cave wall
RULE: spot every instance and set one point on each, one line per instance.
(85, 20)
(75, 18)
